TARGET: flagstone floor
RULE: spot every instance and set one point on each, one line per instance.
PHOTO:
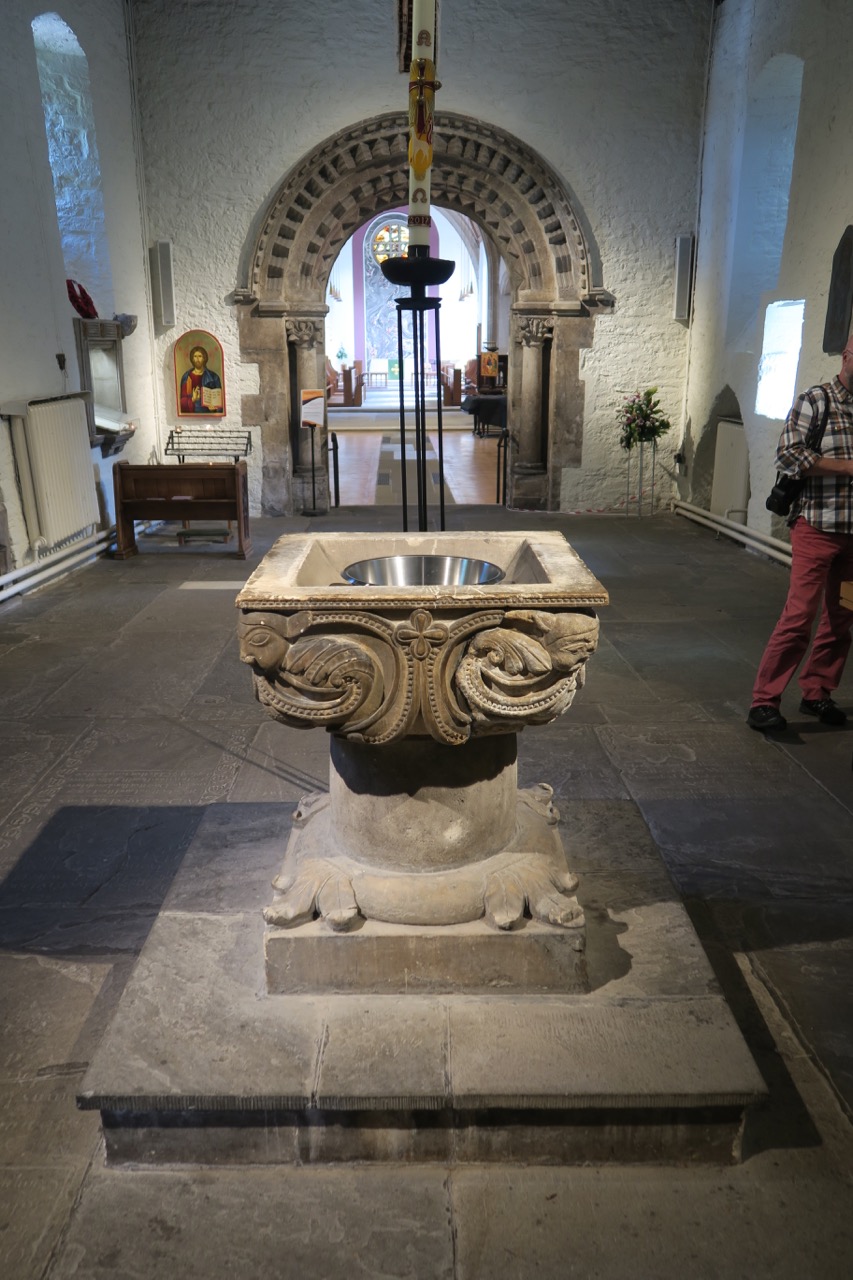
(126, 717)
(470, 462)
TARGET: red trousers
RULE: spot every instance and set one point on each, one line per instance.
(820, 563)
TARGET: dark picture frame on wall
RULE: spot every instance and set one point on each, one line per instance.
(839, 304)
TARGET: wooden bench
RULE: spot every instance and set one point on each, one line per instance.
(451, 381)
(188, 491)
(353, 380)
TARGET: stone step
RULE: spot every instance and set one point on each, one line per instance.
(201, 1065)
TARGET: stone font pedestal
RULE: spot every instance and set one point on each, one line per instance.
(426, 994)
(436, 874)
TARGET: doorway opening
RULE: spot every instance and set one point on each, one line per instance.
(362, 358)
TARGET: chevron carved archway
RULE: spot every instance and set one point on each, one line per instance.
(480, 171)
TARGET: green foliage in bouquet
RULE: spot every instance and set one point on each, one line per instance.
(641, 420)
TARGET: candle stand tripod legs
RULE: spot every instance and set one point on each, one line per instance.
(418, 271)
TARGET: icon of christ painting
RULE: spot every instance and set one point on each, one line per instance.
(199, 378)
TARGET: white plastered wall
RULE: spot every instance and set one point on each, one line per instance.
(747, 37)
(232, 94)
(35, 314)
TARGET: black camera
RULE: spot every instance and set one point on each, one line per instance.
(787, 489)
(784, 494)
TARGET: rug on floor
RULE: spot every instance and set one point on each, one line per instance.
(389, 490)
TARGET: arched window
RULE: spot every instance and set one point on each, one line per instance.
(387, 237)
(66, 94)
(780, 357)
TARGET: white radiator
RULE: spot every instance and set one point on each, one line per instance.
(50, 438)
(730, 488)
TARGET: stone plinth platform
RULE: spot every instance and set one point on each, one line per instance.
(201, 1065)
(389, 959)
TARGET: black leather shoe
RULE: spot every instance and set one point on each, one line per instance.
(825, 709)
(766, 717)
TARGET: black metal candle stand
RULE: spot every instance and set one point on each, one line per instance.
(313, 510)
(418, 271)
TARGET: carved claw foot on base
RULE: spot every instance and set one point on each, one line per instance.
(531, 886)
(520, 886)
(318, 888)
(527, 880)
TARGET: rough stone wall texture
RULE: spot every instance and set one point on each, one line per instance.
(233, 94)
(35, 314)
(723, 374)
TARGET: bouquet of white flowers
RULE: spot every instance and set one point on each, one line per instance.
(641, 420)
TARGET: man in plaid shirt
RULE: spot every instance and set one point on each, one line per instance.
(821, 522)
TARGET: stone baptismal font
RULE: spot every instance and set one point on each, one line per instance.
(432, 990)
(423, 687)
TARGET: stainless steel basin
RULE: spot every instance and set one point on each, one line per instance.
(421, 571)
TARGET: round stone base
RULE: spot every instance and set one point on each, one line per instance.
(528, 878)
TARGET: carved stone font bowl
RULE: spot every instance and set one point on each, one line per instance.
(423, 686)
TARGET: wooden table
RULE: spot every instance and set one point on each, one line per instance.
(488, 411)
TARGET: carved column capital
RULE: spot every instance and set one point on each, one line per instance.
(534, 330)
(304, 333)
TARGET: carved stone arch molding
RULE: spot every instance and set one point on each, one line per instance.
(521, 205)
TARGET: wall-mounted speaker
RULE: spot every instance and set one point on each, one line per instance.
(162, 283)
(683, 277)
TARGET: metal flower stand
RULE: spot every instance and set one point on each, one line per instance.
(641, 479)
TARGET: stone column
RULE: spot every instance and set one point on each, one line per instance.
(425, 806)
(308, 337)
(263, 342)
(529, 469)
(573, 332)
(493, 262)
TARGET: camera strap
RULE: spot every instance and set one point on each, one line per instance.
(814, 435)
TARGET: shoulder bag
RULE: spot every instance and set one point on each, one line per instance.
(787, 489)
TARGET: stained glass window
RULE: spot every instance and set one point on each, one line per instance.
(390, 240)
(386, 237)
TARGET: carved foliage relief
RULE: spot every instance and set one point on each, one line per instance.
(378, 679)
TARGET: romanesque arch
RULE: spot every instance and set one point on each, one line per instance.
(522, 207)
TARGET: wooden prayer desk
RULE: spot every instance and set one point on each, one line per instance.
(188, 491)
